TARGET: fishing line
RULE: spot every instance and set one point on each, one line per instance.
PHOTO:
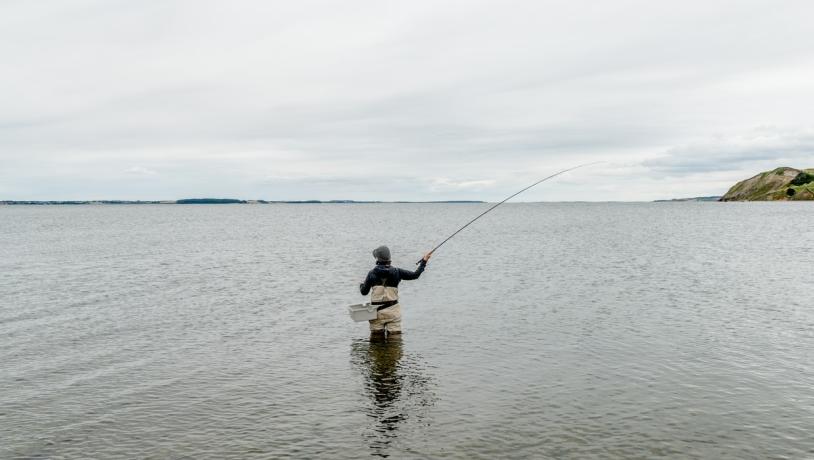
(507, 199)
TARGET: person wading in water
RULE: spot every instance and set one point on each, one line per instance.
(382, 285)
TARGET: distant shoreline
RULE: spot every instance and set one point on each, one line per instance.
(696, 198)
(205, 201)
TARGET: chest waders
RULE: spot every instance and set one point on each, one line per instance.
(384, 296)
(388, 315)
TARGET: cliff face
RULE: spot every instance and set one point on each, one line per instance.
(778, 184)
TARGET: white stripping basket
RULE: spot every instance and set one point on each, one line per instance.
(363, 312)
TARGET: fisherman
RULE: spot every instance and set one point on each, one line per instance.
(382, 284)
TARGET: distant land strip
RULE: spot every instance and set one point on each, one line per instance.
(695, 198)
(212, 201)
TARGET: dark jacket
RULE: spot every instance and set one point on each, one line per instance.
(392, 275)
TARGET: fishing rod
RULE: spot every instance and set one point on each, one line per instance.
(507, 199)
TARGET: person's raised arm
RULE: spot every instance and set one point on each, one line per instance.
(410, 275)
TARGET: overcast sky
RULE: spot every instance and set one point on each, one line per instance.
(400, 100)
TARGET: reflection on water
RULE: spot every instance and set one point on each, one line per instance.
(398, 387)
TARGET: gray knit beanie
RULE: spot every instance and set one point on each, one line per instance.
(382, 254)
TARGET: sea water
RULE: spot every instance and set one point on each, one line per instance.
(561, 330)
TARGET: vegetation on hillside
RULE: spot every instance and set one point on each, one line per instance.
(778, 184)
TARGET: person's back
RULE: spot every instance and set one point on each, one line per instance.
(382, 285)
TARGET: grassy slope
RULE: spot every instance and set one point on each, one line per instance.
(771, 186)
(805, 191)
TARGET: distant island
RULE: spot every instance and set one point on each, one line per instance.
(780, 184)
(210, 201)
(213, 201)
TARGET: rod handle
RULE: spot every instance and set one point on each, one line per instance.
(421, 259)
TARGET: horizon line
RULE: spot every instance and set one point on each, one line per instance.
(192, 201)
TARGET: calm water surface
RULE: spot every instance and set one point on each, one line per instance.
(680, 330)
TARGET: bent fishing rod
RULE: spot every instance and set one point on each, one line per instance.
(507, 199)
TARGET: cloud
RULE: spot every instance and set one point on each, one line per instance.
(764, 147)
(443, 183)
(396, 100)
(140, 171)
